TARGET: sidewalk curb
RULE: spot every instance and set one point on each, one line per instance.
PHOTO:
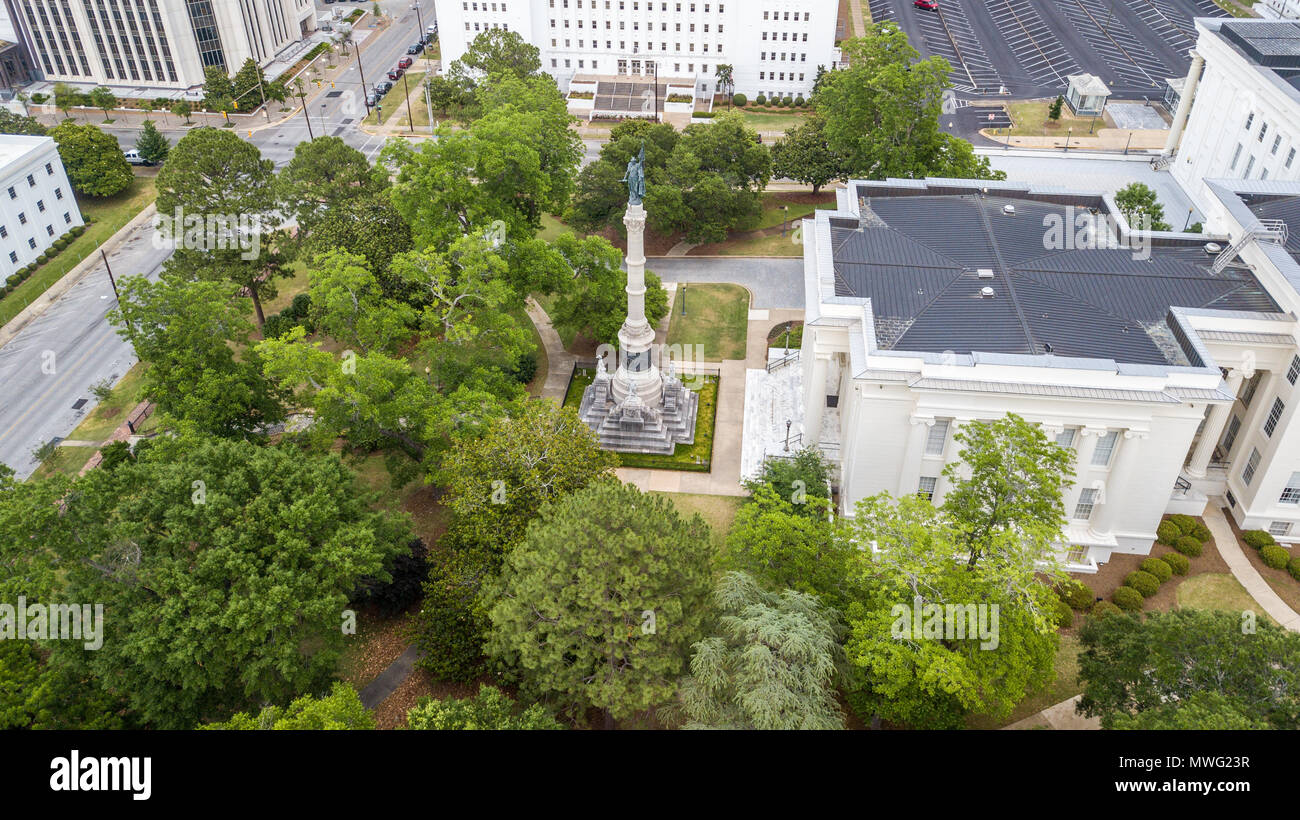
(56, 291)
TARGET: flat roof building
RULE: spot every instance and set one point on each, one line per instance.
(37, 205)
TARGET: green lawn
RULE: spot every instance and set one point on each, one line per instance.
(718, 511)
(287, 288)
(109, 414)
(789, 245)
(764, 121)
(717, 319)
(773, 216)
(66, 460)
(1217, 591)
(105, 217)
(393, 104)
(552, 228)
(1029, 119)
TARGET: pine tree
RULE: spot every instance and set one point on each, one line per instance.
(152, 145)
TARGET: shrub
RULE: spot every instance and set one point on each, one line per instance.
(43, 258)
(1188, 546)
(1167, 533)
(1158, 568)
(1076, 593)
(299, 307)
(1274, 556)
(1064, 616)
(1184, 523)
(1103, 608)
(779, 102)
(739, 100)
(1200, 532)
(1144, 582)
(1293, 567)
(1177, 562)
(760, 100)
(1257, 539)
(525, 369)
(800, 102)
(408, 572)
(276, 326)
(1127, 599)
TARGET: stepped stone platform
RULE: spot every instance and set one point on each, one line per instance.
(632, 426)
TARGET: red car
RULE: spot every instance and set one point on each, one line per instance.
(396, 73)
(405, 62)
(928, 5)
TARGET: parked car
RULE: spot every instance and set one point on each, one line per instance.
(405, 62)
(133, 157)
(396, 73)
(928, 5)
(415, 48)
(432, 28)
(383, 87)
(371, 99)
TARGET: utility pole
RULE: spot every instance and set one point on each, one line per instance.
(302, 97)
(364, 95)
(410, 118)
(420, 17)
(130, 329)
(655, 65)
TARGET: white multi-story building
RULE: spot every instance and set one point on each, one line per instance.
(774, 46)
(1239, 113)
(1279, 9)
(168, 44)
(36, 201)
(1171, 371)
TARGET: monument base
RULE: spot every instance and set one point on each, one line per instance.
(632, 425)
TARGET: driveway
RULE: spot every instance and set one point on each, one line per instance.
(776, 283)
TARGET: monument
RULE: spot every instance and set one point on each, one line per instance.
(638, 409)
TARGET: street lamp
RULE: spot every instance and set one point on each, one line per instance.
(683, 298)
(785, 218)
(410, 118)
(1186, 224)
(418, 16)
(1068, 132)
(787, 434)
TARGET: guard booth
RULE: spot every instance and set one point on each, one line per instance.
(1086, 94)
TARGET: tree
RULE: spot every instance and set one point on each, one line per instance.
(369, 227)
(491, 709)
(447, 95)
(323, 175)
(882, 112)
(67, 98)
(225, 567)
(1231, 670)
(595, 298)
(497, 51)
(600, 198)
(103, 99)
(218, 90)
(348, 303)
(340, 709)
(932, 637)
(805, 156)
(785, 547)
(726, 80)
(92, 159)
(1054, 110)
(1007, 486)
(249, 86)
(188, 333)
(805, 474)
(771, 665)
(182, 108)
(1141, 207)
(153, 146)
(218, 177)
(11, 123)
(599, 604)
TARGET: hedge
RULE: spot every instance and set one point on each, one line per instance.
(1293, 567)
(760, 100)
(1256, 539)
(1177, 562)
(1127, 599)
(1076, 594)
(739, 100)
(1188, 546)
(1274, 556)
(1167, 533)
(1162, 571)
(1103, 608)
(1064, 615)
(1143, 582)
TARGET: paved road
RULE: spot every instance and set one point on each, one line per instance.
(775, 283)
(53, 362)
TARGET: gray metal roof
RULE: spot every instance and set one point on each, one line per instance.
(916, 255)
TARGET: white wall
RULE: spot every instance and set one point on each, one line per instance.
(47, 189)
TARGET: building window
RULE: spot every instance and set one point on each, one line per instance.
(937, 437)
(1252, 464)
(1087, 500)
(1291, 492)
(1248, 395)
(1234, 424)
(1236, 155)
(13, 257)
(1290, 157)
(1232, 499)
(1065, 438)
(1274, 413)
(926, 488)
(1105, 449)
(1279, 528)
(12, 193)
(1293, 372)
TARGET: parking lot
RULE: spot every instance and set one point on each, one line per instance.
(1028, 47)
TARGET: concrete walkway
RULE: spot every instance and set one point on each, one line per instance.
(378, 690)
(1226, 540)
(559, 362)
(859, 22)
(1061, 716)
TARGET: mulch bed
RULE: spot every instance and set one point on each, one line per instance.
(1112, 573)
(1287, 588)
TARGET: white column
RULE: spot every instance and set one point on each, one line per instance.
(636, 337)
(814, 399)
(1185, 103)
(1213, 430)
(910, 473)
(951, 452)
(1088, 437)
(1114, 490)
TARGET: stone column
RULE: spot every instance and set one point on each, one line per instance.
(814, 399)
(1113, 493)
(1088, 437)
(1213, 429)
(951, 451)
(1184, 103)
(636, 338)
(910, 473)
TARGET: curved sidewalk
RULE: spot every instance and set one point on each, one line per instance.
(1226, 540)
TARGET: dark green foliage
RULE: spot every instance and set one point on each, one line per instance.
(1127, 599)
(1274, 556)
(1076, 593)
(1101, 609)
(807, 473)
(1064, 615)
(11, 123)
(1188, 545)
(525, 368)
(1184, 523)
(92, 159)
(452, 621)
(1257, 539)
(739, 100)
(1293, 567)
(407, 572)
(1144, 582)
(491, 709)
